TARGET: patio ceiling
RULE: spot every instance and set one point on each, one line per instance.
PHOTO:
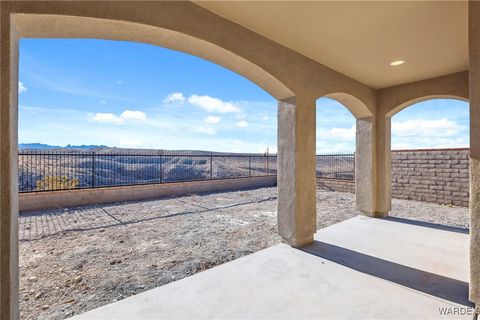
(360, 39)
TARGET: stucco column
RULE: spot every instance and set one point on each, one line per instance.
(296, 171)
(8, 171)
(372, 166)
(474, 56)
(364, 166)
(383, 166)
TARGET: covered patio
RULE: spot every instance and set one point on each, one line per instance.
(419, 272)
(376, 59)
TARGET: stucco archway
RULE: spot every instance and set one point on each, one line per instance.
(394, 99)
(64, 26)
(430, 150)
(284, 73)
(59, 26)
(409, 103)
(356, 106)
(365, 161)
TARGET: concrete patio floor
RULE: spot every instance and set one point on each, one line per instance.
(360, 268)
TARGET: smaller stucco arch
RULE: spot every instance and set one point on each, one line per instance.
(353, 104)
(394, 99)
(409, 103)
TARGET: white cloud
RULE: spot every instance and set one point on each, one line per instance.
(127, 115)
(407, 134)
(211, 104)
(175, 97)
(335, 139)
(421, 127)
(343, 133)
(206, 130)
(422, 133)
(119, 82)
(212, 119)
(103, 101)
(106, 118)
(242, 124)
(21, 87)
(133, 115)
(265, 118)
(336, 134)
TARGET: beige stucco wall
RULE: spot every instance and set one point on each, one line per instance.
(71, 198)
(8, 172)
(184, 26)
(474, 56)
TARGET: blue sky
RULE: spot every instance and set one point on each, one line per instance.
(140, 96)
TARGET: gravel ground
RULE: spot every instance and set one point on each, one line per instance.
(74, 260)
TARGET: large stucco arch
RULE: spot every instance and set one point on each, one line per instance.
(187, 27)
(287, 75)
(63, 26)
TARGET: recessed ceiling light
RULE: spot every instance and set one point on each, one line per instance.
(396, 63)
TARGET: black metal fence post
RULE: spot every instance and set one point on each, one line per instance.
(161, 167)
(354, 165)
(93, 169)
(211, 166)
(267, 165)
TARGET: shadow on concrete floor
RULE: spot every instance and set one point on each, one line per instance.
(433, 284)
(428, 225)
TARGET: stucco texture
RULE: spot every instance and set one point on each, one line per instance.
(294, 79)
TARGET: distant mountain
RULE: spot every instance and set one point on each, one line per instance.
(47, 146)
(106, 150)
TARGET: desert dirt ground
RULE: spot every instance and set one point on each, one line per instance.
(77, 259)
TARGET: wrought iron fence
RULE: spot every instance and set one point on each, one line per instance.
(46, 170)
(62, 170)
(336, 166)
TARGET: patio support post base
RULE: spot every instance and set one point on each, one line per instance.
(296, 171)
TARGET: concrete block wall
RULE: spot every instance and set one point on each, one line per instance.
(336, 185)
(433, 175)
(430, 175)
